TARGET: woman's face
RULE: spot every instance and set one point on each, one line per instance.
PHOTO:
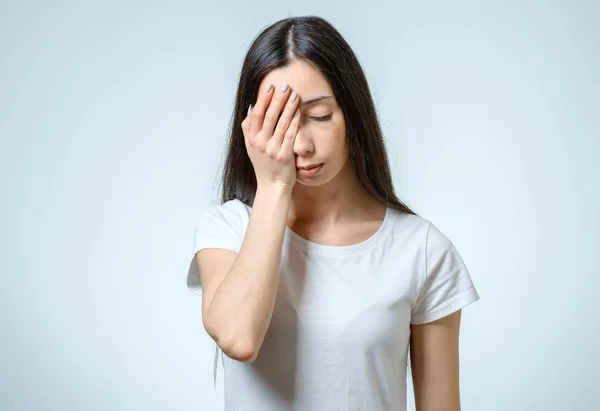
(321, 137)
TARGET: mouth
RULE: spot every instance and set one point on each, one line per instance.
(309, 171)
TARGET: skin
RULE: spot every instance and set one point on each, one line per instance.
(331, 208)
(434, 349)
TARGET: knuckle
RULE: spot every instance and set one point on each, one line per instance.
(257, 113)
(271, 152)
(271, 117)
(255, 142)
(284, 123)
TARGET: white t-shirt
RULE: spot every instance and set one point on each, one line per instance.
(339, 336)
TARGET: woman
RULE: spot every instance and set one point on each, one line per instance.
(316, 278)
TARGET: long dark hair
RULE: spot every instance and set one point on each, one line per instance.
(315, 41)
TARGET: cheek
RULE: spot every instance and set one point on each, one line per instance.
(330, 139)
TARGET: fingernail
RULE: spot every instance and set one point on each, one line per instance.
(284, 88)
(297, 112)
(269, 87)
(294, 95)
(249, 109)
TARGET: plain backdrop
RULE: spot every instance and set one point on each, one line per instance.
(113, 120)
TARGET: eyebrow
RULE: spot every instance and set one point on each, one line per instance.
(313, 100)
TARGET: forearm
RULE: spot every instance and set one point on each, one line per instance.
(242, 307)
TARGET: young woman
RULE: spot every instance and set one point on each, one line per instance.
(316, 279)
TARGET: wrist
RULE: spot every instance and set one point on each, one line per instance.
(273, 190)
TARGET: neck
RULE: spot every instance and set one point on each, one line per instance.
(341, 198)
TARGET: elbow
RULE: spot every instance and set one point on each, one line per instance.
(240, 351)
(246, 354)
(237, 348)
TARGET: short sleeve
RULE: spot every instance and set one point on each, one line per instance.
(218, 226)
(447, 286)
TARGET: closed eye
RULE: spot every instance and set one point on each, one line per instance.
(322, 118)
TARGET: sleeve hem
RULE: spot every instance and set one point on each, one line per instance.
(460, 301)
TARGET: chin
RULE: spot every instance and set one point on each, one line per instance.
(310, 183)
(319, 180)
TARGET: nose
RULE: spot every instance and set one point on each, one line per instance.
(302, 145)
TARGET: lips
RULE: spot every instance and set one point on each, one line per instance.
(310, 171)
(309, 167)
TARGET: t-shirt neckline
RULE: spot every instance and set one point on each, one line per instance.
(336, 250)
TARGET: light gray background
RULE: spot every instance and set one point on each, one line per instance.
(113, 118)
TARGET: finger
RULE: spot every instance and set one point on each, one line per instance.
(287, 147)
(273, 112)
(247, 122)
(286, 118)
(259, 109)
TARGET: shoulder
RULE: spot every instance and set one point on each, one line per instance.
(410, 226)
(232, 211)
(236, 205)
(419, 231)
(232, 216)
(436, 240)
(217, 226)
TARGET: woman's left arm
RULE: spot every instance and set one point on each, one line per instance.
(434, 364)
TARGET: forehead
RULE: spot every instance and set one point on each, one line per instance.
(302, 77)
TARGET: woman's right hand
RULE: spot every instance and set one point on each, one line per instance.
(270, 138)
